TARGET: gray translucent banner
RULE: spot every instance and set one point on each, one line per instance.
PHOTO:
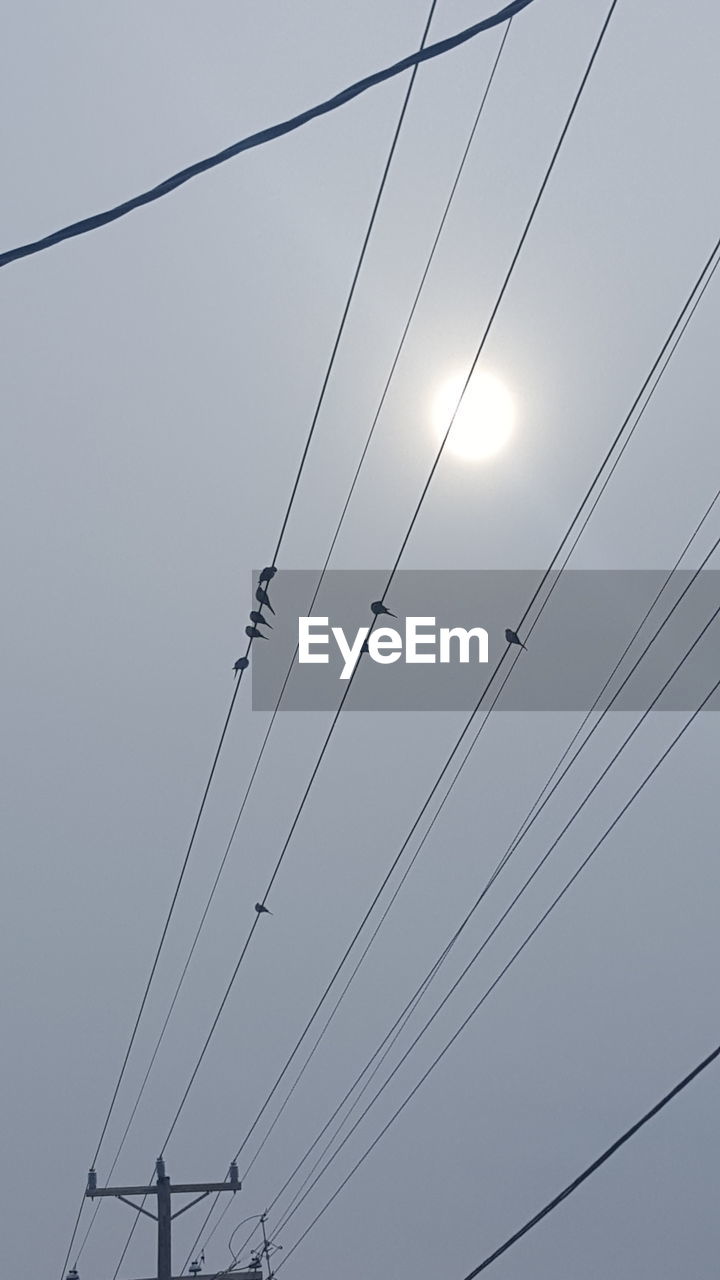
(583, 631)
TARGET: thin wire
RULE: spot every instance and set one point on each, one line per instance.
(520, 892)
(535, 810)
(669, 347)
(353, 285)
(490, 709)
(320, 401)
(413, 60)
(596, 1164)
(154, 965)
(502, 973)
(656, 372)
(348, 687)
(327, 560)
(508, 277)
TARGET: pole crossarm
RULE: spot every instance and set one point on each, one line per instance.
(205, 1187)
(121, 1191)
(189, 1188)
(163, 1190)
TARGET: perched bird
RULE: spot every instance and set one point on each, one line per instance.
(259, 620)
(241, 664)
(266, 575)
(261, 910)
(254, 634)
(262, 598)
(364, 647)
(512, 637)
(379, 609)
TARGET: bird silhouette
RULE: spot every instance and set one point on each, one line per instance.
(379, 609)
(261, 910)
(254, 634)
(259, 620)
(262, 598)
(241, 664)
(267, 574)
(512, 637)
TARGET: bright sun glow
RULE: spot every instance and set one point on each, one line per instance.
(483, 423)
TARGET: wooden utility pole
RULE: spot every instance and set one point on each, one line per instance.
(163, 1191)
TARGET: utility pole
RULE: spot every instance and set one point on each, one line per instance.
(163, 1191)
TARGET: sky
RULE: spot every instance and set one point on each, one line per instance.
(159, 378)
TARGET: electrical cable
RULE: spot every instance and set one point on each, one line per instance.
(661, 362)
(256, 767)
(596, 1164)
(397, 1027)
(413, 60)
(540, 799)
(316, 768)
(319, 403)
(579, 808)
(512, 960)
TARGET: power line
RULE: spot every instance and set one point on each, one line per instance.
(487, 713)
(413, 60)
(596, 1164)
(579, 808)
(361, 259)
(154, 965)
(323, 749)
(502, 973)
(293, 494)
(656, 372)
(398, 1026)
(332, 545)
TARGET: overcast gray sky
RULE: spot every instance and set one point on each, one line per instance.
(159, 378)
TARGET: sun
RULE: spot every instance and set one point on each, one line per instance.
(485, 416)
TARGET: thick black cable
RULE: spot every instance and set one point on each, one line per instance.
(413, 60)
(596, 1164)
(502, 973)
(341, 704)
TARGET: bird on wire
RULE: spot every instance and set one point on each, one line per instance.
(262, 598)
(512, 637)
(241, 665)
(267, 574)
(258, 619)
(262, 910)
(379, 610)
(254, 634)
